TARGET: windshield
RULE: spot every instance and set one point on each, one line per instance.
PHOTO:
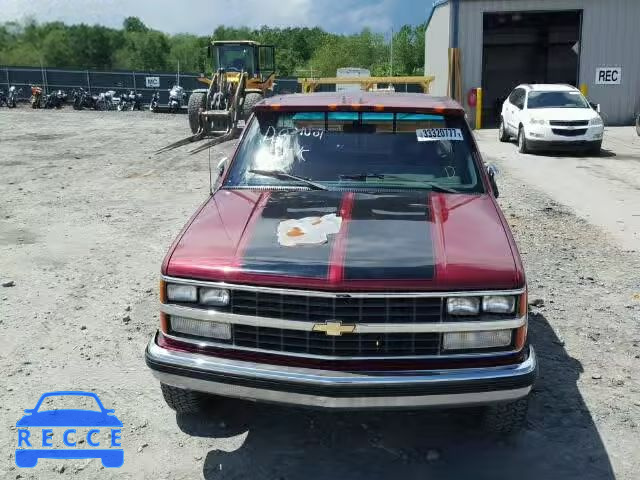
(357, 150)
(236, 58)
(557, 100)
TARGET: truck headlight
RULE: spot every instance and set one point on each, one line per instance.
(473, 340)
(596, 122)
(463, 306)
(499, 304)
(201, 328)
(182, 293)
(214, 296)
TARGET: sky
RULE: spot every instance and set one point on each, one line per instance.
(202, 16)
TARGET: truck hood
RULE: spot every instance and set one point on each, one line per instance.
(414, 240)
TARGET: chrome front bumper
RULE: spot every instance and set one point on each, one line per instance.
(341, 390)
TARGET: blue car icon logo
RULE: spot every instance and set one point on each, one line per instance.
(36, 432)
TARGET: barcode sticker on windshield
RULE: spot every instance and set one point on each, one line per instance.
(437, 134)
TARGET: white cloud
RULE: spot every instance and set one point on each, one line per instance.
(202, 16)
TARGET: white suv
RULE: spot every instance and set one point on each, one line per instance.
(551, 117)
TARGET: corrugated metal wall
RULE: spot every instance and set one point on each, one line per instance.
(436, 58)
(609, 38)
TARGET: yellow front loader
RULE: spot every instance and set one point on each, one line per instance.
(244, 75)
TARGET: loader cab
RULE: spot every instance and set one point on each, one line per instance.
(255, 59)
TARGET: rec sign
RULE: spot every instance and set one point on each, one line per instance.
(609, 76)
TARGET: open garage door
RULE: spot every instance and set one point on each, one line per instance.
(527, 47)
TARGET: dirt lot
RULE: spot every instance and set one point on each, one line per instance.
(86, 215)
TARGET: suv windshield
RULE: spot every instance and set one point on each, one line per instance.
(557, 100)
(341, 150)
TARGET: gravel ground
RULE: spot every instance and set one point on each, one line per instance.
(86, 215)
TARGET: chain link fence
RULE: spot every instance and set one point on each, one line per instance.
(52, 79)
(146, 83)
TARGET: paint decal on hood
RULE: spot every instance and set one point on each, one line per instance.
(308, 230)
(376, 236)
(389, 237)
(287, 219)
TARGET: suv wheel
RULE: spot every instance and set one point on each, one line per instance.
(595, 150)
(506, 418)
(503, 136)
(522, 141)
(184, 401)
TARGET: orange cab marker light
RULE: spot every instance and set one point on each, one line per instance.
(356, 106)
(275, 106)
(332, 106)
(378, 108)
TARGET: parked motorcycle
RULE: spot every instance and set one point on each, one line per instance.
(36, 96)
(55, 100)
(83, 99)
(12, 99)
(135, 100)
(176, 98)
(123, 102)
(105, 100)
(155, 101)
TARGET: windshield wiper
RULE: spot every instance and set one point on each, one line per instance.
(362, 177)
(280, 175)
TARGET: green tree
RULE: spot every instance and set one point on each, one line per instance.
(56, 50)
(134, 24)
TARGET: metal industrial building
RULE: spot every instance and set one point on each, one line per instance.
(592, 44)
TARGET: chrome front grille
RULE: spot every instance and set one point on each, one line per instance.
(334, 325)
(345, 309)
(316, 343)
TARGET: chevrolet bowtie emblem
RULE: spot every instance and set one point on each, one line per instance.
(334, 329)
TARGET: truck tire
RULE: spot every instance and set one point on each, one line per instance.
(250, 101)
(506, 418)
(503, 135)
(197, 103)
(183, 401)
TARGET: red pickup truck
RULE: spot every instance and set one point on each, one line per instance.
(351, 255)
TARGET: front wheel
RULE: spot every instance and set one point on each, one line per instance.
(503, 136)
(250, 101)
(506, 418)
(184, 401)
(197, 104)
(522, 141)
(595, 150)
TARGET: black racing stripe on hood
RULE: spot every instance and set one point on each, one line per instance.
(389, 237)
(264, 255)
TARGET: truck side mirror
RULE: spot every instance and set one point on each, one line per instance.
(595, 106)
(493, 172)
(222, 166)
